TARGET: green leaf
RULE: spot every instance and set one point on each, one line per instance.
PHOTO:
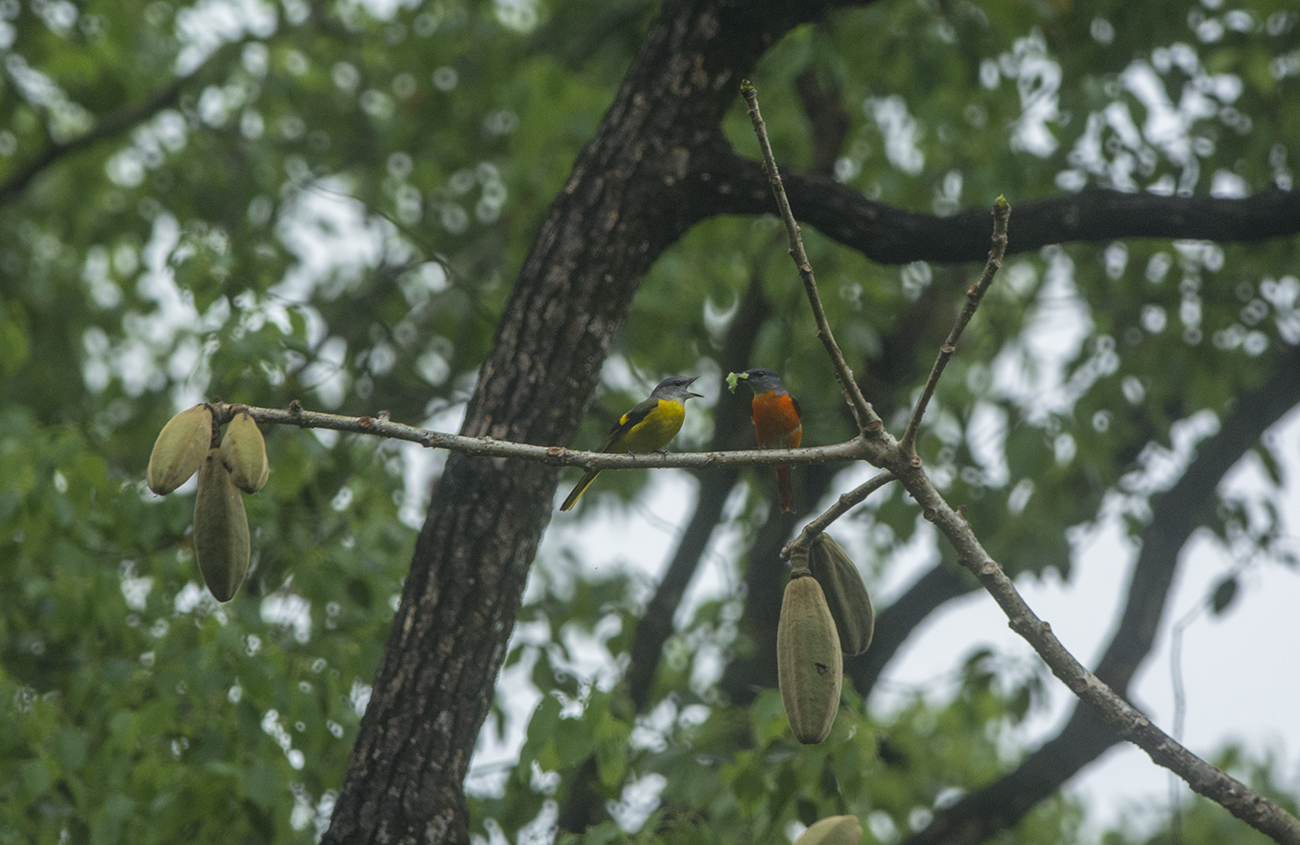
(1224, 595)
(37, 777)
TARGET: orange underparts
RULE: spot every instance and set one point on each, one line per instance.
(777, 426)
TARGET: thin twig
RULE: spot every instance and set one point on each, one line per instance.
(845, 503)
(862, 411)
(974, 295)
(1180, 713)
(487, 447)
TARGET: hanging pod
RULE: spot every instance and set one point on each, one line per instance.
(809, 665)
(833, 830)
(846, 594)
(243, 451)
(179, 450)
(221, 541)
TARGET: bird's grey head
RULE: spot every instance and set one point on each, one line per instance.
(675, 387)
(761, 380)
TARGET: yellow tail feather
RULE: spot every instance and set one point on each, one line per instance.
(578, 490)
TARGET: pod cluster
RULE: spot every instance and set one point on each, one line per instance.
(184, 447)
(825, 614)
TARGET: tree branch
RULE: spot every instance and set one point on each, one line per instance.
(722, 182)
(489, 447)
(1128, 721)
(845, 503)
(862, 413)
(974, 295)
(1121, 716)
(1175, 516)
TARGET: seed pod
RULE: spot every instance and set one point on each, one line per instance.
(846, 594)
(179, 450)
(243, 451)
(809, 665)
(833, 830)
(221, 541)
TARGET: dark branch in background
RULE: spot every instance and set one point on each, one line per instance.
(110, 125)
(1236, 797)
(730, 184)
(1092, 215)
(107, 127)
(584, 806)
(826, 115)
(1176, 514)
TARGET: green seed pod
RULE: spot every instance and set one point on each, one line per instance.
(179, 450)
(809, 665)
(221, 541)
(833, 830)
(243, 451)
(846, 594)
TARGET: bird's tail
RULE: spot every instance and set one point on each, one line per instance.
(579, 489)
(783, 486)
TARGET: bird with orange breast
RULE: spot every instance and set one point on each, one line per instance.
(776, 422)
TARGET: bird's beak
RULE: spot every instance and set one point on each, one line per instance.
(688, 384)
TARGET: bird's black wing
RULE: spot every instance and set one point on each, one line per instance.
(627, 421)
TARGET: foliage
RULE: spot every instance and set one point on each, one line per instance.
(136, 708)
(330, 207)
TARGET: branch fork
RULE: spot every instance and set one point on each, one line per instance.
(901, 463)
